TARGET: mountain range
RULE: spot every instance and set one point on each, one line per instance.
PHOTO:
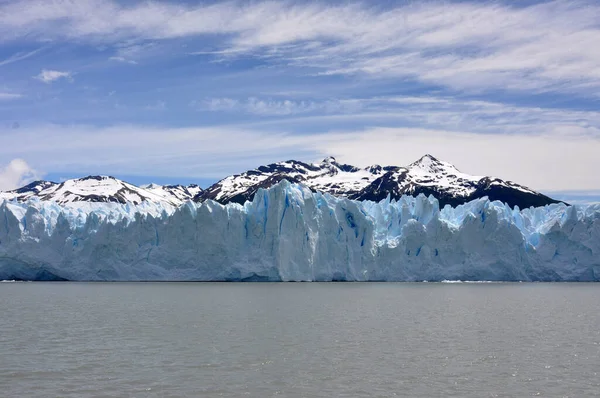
(428, 176)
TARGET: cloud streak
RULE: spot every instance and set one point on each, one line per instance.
(9, 96)
(122, 59)
(442, 113)
(266, 106)
(19, 57)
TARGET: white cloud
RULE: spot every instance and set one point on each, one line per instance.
(549, 46)
(156, 106)
(16, 174)
(122, 59)
(48, 76)
(576, 197)
(262, 107)
(279, 107)
(9, 96)
(216, 104)
(548, 161)
(131, 51)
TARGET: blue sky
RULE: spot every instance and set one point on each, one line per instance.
(180, 92)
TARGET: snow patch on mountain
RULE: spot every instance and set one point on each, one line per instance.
(170, 192)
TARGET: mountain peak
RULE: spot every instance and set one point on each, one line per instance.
(329, 160)
(96, 177)
(431, 164)
(427, 159)
(152, 185)
(374, 169)
(430, 157)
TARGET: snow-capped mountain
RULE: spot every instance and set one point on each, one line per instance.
(427, 175)
(102, 189)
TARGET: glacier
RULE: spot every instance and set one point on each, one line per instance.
(289, 233)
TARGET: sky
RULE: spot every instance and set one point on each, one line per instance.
(190, 92)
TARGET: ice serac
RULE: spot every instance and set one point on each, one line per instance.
(289, 233)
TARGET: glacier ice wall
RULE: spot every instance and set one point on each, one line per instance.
(289, 233)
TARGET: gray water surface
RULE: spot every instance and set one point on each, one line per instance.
(299, 339)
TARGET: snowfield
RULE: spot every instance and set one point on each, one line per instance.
(288, 233)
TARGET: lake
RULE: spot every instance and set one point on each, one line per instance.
(299, 339)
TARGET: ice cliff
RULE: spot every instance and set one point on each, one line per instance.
(292, 234)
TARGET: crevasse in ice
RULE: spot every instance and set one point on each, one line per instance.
(289, 233)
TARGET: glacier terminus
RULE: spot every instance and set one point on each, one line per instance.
(290, 233)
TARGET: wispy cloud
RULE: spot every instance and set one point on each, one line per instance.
(122, 59)
(49, 76)
(217, 104)
(156, 106)
(486, 116)
(474, 46)
(577, 197)
(19, 57)
(264, 107)
(132, 50)
(444, 113)
(9, 96)
(282, 107)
